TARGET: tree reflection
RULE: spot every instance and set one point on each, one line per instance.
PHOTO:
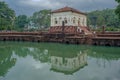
(107, 53)
(63, 58)
(6, 60)
(104, 55)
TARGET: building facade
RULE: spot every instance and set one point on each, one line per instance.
(72, 18)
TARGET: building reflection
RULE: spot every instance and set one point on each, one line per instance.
(68, 65)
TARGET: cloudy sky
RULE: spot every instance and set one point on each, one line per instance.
(29, 6)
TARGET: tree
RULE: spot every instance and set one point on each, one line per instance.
(21, 21)
(100, 20)
(117, 11)
(88, 21)
(108, 16)
(7, 17)
(42, 18)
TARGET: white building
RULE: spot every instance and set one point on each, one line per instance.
(70, 16)
(73, 19)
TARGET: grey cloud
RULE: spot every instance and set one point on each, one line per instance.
(29, 6)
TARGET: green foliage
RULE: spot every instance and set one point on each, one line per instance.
(117, 11)
(112, 29)
(118, 1)
(21, 21)
(88, 21)
(100, 20)
(7, 17)
(42, 18)
(104, 17)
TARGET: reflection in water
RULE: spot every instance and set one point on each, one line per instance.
(6, 60)
(104, 55)
(58, 58)
(68, 65)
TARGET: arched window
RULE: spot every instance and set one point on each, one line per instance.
(83, 22)
(60, 20)
(56, 21)
(65, 19)
(74, 20)
(79, 22)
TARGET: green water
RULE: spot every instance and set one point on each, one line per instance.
(52, 61)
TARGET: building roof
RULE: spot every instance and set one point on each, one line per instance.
(65, 9)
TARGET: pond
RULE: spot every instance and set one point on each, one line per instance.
(53, 61)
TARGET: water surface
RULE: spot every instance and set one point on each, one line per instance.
(52, 61)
